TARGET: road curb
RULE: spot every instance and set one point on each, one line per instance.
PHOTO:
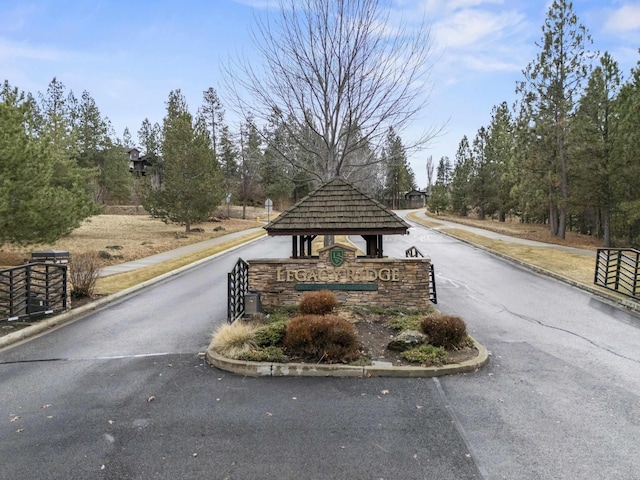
(266, 369)
(78, 313)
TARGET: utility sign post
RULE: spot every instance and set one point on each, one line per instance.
(268, 206)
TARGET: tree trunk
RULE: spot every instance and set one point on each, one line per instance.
(553, 218)
(606, 228)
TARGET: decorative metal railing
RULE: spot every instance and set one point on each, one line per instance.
(237, 287)
(617, 269)
(433, 297)
(32, 290)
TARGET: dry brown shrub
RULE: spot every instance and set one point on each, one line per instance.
(321, 302)
(84, 270)
(322, 338)
(444, 330)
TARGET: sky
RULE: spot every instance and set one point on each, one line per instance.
(129, 54)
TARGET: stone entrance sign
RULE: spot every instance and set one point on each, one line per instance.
(356, 281)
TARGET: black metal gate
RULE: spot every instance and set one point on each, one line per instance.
(433, 297)
(617, 269)
(33, 290)
(237, 287)
(413, 252)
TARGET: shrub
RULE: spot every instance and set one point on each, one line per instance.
(426, 355)
(84, 270)
(445, 330)
(232, 340)
(267, 354)
(270, 334)
(321, 302)
(325, 338)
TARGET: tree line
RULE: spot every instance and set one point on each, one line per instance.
(565, 154)
(61, 162)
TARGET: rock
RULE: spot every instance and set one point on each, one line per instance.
(114, 247)
(104, 255)
(218, 229)
(407, 340)
(197, 230)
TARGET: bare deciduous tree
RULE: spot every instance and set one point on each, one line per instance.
(343, 72)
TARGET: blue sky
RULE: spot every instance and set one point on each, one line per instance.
(130, 54)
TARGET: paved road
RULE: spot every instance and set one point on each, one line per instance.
(558, 400)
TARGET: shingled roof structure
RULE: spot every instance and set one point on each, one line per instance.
(338, 208)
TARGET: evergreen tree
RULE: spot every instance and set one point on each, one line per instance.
(625, 149)
(250, 157)
(597, 172)
(42, 196)
(191, 180)
(552, 82)
(276, 178)
(213, 113)
(462, 179)
(399, 177)
(439, 200)
(97, 150)
(500, 149)
(483, 185)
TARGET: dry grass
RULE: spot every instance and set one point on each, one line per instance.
(233, 340)
(115, 283)
(514, 228)
(127, 237)
(578, 268)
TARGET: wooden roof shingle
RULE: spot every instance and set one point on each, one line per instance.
(337, 208)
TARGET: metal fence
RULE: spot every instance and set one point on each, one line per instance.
(237, 287)
(32, 290)
(617, 269)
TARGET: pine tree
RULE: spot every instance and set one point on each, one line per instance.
(399, 177)
(42, 193)
(250, 157)
(462, 179)
(97, 150)
(191, 180)
(597, 172)
(625, 150)
(552, 82)
(439, 200)
(500, 150)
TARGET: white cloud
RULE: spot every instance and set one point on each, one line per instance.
(443, 7)
(625, 19)
(472, 26)
(12, 50)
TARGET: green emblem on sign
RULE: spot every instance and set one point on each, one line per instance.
(337, 257)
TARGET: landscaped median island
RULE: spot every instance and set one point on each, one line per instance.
(319, 338)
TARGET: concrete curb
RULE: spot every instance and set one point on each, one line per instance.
(78, 313)
(629, 304)
(265, 369)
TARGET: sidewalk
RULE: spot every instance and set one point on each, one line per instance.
(498, 236)
(178, 252)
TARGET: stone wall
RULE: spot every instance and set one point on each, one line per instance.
(356, 281)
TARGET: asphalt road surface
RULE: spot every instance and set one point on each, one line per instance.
(123, 393)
